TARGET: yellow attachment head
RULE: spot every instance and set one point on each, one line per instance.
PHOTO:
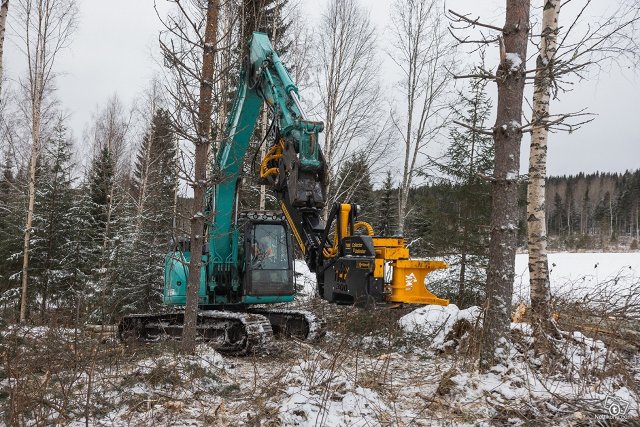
(408, 283)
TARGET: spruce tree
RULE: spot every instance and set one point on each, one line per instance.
(468, 159)
(83, 249)
(354, 186)
(52, 222)
(386, 208)
(12, 211)
(139, 287)
(108, 210)
(101, 181)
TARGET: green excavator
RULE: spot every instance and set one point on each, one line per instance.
(247, 262)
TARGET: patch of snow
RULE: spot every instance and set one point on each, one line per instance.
(514, 60)
(318, 394)
(435, 321)
(521, 383)
(305, 281)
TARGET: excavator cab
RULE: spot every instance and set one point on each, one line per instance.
(268, 257)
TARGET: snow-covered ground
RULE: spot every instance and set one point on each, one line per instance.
(370, 370)
(305, 281)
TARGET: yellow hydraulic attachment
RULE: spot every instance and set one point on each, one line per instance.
(407, 284)
(403, 278)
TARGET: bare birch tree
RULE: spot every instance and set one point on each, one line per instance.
(4, 10)
(536, 205)
(46, 27)
(348, 87)
(424, 56)
(610, 38)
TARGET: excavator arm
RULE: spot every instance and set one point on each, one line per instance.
(352, 265)
(297, 167)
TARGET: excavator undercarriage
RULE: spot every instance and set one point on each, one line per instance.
(229, 332)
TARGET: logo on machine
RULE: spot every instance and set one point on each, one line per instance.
(409, 280)
(358, 248)
(366, 265)
(341, 273)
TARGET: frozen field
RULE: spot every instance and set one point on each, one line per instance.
(581, 273)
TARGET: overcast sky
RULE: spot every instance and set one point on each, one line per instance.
(114, 47)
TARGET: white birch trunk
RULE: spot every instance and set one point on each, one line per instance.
(536, 220)
(4, 9)
(36, 77)
(45, 33)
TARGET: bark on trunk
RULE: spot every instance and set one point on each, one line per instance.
(405, 185)
(462, 285)
(35, 149)
(37, 93)
(4, 10)
(536, 203)
(200, 181)
(507, 134)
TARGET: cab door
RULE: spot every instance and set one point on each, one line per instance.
(268, 260)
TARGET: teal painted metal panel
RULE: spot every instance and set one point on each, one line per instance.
(267, 80)
(176, 273)
(229, 161)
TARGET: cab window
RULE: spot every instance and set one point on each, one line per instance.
(269, 248)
